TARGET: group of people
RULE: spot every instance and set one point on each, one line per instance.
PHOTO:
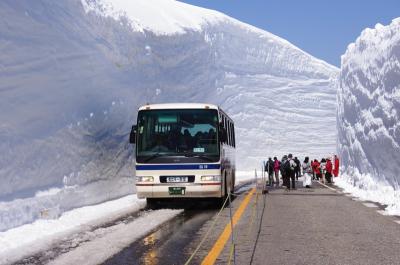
(325, 169)
(290, 169)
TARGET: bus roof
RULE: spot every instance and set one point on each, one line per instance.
(179, 106)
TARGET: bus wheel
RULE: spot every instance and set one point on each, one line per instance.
(232, 183)
(228, 192)
(225, 196)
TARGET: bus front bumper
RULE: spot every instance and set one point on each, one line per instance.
(194, 190)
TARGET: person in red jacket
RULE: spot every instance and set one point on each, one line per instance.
(313, 170)
(317, 169)
(329, 167)
(277, 166)
(336, 166)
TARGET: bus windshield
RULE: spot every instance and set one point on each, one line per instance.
(183, 132)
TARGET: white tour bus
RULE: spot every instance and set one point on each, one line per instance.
(183, 150)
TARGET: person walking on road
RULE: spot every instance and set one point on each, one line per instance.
(277, 166)
(336, 166)
(285, 172)
(291, 172)
(314, 176)
(269, 167)
(322, 166)
(317, 169)
(307, 171)
(297, 168)
(328, 174)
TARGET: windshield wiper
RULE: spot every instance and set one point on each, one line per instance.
(188, 154)
(152, 157)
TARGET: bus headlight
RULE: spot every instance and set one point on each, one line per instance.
(145, 179)
(210, 178)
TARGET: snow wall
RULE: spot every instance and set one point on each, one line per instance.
(73, 74)
(369, 116)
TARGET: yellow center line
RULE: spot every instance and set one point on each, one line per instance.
(223, 238)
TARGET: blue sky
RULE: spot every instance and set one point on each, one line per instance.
(322, 28)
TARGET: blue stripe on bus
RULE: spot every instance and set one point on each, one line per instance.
(178, 167)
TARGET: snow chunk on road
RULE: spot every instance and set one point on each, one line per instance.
(114, 239)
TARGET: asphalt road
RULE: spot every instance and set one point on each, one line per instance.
(168, 244)
(174, 242)
(317, 226)
(304, 226)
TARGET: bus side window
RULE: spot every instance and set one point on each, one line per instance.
(228, 140)
(233, 135)
(222, 122)
(229, 133)
(224, 125)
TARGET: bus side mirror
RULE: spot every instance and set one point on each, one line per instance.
(222, 134)
(132, 136)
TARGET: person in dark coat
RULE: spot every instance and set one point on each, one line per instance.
(285, 176)
(297, 168)
(269, 167)
(329, 167)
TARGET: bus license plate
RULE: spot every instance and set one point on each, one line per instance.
(177, 179)
(177, 190)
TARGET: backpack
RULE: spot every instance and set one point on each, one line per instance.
(297, 164)
(287, 168)
(281, 166)
(270, 166)
(266, 168)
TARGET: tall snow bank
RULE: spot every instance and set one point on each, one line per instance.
(73, 74)
(170, 17)
(368, 116)
(158, 16)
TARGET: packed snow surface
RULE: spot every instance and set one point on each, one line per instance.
(44, 234)
(73, 74)
(112, 240)
(369, 116)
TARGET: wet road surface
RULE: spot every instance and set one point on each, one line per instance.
(174, 242)
(169, 244)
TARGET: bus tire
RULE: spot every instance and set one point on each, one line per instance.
(224, 193)
(232, 182)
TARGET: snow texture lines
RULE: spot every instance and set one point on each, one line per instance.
(370, 205)
(75, 73)
(368, 115)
